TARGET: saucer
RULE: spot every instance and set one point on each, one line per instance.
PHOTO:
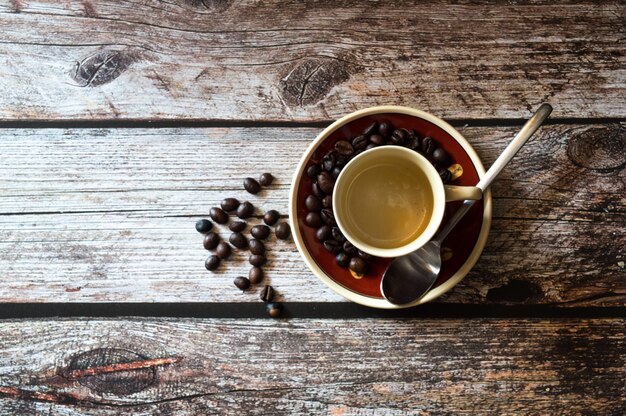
(460, 250)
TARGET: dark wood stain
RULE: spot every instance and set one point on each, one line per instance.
(602, 149)
(89, 8)
(514, 291)
(102, 67)
(308, 82)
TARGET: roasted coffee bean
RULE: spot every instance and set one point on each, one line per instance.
(338, 235)
(335, 173)
(237, 226)
(342, 260)
(256, 246)
(412, 141)
(245, 210)
(359, 142)
(223, 250)
(398, 137)
(212, 262)
(218, 215)
(238, 240)
(358, 152)
(350, 249)
(332, 246)
(441, 156)
(385, 129)
(364, 255)
(282, 231)
(428, 146)
(328, 217)
(317, 191)
(445, 175)
(371, 129)
(271, 217)
(267, 293)
(203, 226)
(327, 201)
(341, 160)
(257, 260)
(328, 162)
(377, 139)
(211, 240)
(230, 204)
(358, 265)
(242, 282)
(326, 182)
(343, 147)
(255, 275)
(312, 171)
(274, 309)
(260, 232)
(323, 233)
(370, 146)
(266, 179)
(312, 203)
(313, 219)
(251, 185)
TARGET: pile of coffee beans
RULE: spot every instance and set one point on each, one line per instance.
(324, 173)
(222, 250)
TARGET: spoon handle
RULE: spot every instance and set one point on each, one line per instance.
(522, 137)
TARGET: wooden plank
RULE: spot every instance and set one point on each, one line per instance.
(393, 367)
(97, 215)
(307, 61)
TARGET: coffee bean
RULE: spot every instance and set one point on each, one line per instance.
(398, 136)
(230, 204)
(317, 191)
(211, 240)
(327, 201)
(256, 246)
(223, 250)
(328, 217)
(332, 246)
(271, 217)
(343, 147)
(326, 182)
(312, 171)
(358, 265)
(428, 146)
(323, 233)
(371, 129)
(412, 140)
(338, 235)
(237, 226)
(335, 173)
(342, 260)
(267, 293)
(274, 309)
(245, 210)
(218, 215)
(341, 160)
(385, 129)
(212, 262)
(203, 226)
(238, 240)
(257, 260)
(328, 162)
(312, 203)
(359, 142)
(350, 249)
(364, 255)
(445, 175)
(358, 152)
(251, 185)
(242, 282)
(441, 156)
(370, 146)
(282, 231)
(260, 232)
(313, 219)
(255, 275)
(266, 179)
(377, 139)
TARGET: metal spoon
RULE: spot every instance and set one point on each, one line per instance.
(409, 277)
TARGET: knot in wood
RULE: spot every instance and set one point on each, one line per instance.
(515, 291)
(602, 148)
(310, 81)
(102, 67)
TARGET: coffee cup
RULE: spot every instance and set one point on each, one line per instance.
(389, 201)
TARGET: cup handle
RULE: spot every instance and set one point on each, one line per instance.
(458, 193)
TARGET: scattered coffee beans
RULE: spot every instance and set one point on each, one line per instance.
(204, 226)
(342, 259)
(441, 156)
(211, 240)
(251, 185)
(218, 215)
(212, 263)
(313, 219)
(324, 233)
(325, 182)
(238, 240)
(260, 232)
(242, 282)
(245, 210)
(257, 260)
(385, 129)
(350, 249)
(328, 217)
(312, 203)
(223, 250)
(312, 171)
(332, 246)
(283, 231)
(358, 265)
(255, 275)
(256, 246)
(237, 226)
(271, 217)
(327, 201)
(267, 293)
(229, 204)
(266, 179)
(338, 235)
(274, 309)
(371, 129)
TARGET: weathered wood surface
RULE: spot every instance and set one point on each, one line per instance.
(293, 60)
(485, 366)
(85, 212)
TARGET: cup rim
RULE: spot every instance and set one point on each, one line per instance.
(435, 218)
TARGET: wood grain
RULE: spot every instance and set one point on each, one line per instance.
(343, 367)
(107, 215)
(308, 61)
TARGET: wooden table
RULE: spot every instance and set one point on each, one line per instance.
(122, 123)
